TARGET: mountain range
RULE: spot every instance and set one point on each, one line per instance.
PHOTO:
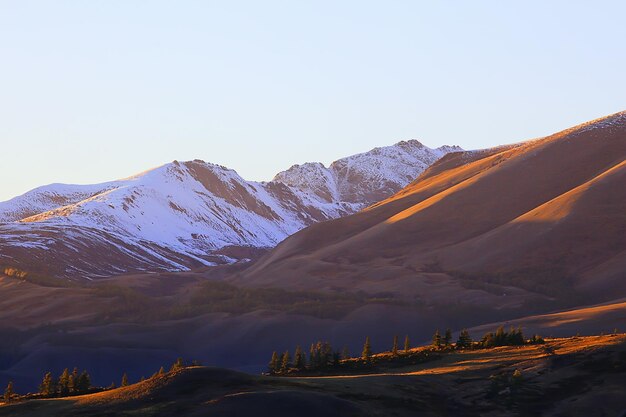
(543, 217)
(191, 214)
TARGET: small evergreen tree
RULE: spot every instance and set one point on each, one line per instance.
(299, 360)
(274, 364)
(366, 355)
(499, 339)
(313, 359)
(407, 344)
(437, 339)
(464, 341)
(394, 349)
(161, 371)
(73, 381)
(47, 387)
(284, 366)
(8, 392)
(447, 338)
(179, 364)
(84, 382)
(516, 337)
(64, 383)
(124, 382)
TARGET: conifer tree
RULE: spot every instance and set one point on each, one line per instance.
(72, 381)
(437, 339)
(124, 382)
(326, 354)
(407, 344)
(366, 355)
(299, 360)
(84, 382)
(499, 337)
(284, 366)
(274, 365)
(8, 392)
(161, 371)
(464, 340)
(47, 387)
(64, 383)
(179, 364)
(313, 363)
(447, 338)
(394, 349)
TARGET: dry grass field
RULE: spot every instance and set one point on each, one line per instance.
(578, 376)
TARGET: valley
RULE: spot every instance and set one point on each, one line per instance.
(189, 260)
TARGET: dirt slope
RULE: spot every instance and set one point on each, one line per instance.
(545, 216)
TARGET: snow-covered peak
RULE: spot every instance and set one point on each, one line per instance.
(183, 213)
(372, 176)
(311, 177)
(367, 177)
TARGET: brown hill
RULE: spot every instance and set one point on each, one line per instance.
(545, 216)
(579, 376)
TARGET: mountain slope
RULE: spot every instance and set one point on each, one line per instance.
(183, 214)
(545, 215)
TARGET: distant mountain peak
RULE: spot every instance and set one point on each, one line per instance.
(179, 214)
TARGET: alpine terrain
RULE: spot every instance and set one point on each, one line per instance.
(186, 214)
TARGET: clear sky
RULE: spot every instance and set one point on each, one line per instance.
(97, 90)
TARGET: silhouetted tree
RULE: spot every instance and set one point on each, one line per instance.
(274, 364)
(515, 337)
(313, 357)
(124, 382)
(48, 386)
(73, 381)
(499, 338)
(464, 341)
(179, 364)
(284, 366)
(407, 344)
(299, 360)
(366, 355)
(8, 392)
(64, 383)
(437, 339)
(84, 382)
(394, 349)
(447, 338)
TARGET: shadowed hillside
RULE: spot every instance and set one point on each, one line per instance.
(544, 217)
(574, 377)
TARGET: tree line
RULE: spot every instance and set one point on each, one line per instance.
(323, 357)
(75, 383)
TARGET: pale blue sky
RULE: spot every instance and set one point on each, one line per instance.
(96, 90)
